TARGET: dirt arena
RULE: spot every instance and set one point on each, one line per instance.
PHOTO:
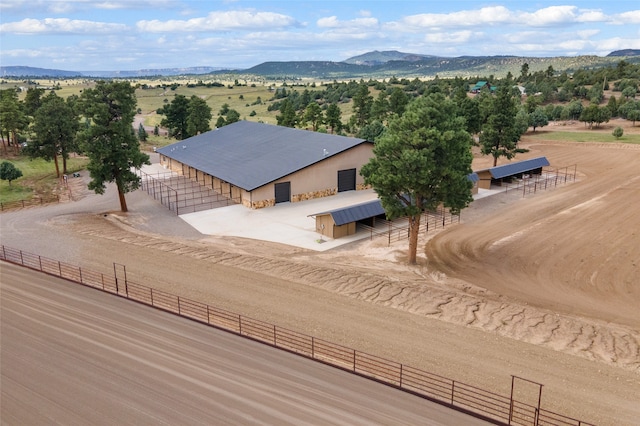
(545, 287)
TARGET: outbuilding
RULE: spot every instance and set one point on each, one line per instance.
(341, 222)
(261, 165)
(506, 172)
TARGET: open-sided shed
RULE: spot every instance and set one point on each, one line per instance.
(342, 221)
(496, 175)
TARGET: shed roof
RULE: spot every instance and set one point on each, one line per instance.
(250, 155)
(354, 213)
(473, 177)
(511, 169)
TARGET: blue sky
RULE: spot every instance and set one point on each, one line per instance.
(106, 35)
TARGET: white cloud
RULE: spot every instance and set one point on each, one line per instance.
(61, 26)
(358, 24)
(554, 15)
(221, 21)
(467, 18)
(631, 17)
(456, 37)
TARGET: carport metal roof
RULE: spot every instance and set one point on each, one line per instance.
(511, 169)
(250, 155)
(354, 213)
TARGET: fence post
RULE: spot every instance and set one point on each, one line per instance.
(151, 293)
(80, 271)
(453, 387)
(274, 336)
(400, 375)
(21, 258)
(39, 260)
(208, 318)
(313, 347)
(59, 267)
(179, 305)
(240, 323)
(354, 360)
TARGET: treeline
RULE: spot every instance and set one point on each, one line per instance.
(545, 95)
(98, 124)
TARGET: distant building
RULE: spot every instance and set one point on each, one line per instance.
(481, 85)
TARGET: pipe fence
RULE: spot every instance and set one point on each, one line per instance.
(473, 400)
(36, 201)
(398, 229)
(180, 194)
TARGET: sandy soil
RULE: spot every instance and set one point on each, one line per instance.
(545, 287)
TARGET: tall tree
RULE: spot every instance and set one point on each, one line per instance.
(501, 133)
(287, 116)
(55, 125)
(398, 101)
(362, 102)
(198, 116)
(333, 118)
(313, 114)
(33, 100)
(13, 119)
(110, 142)
(176, 114)
(421, 161)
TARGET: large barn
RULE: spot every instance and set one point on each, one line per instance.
(262, 164)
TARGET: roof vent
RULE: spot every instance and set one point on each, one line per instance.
(325, 152)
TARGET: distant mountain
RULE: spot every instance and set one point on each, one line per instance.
(20, 71)
(377, 58)
(625, 52)
(369, 65)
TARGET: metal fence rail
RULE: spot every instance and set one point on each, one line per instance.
(180, 194)
(499, 409)
(20, 204)
(398, 229)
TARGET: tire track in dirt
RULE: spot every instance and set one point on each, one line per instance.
(607, 343)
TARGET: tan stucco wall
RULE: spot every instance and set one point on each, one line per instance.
(320, 179)
(485, 180)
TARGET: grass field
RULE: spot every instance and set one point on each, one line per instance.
(38, 178)
(587, 136)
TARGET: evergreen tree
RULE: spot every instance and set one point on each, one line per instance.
(55, 125)
(333, 118)
(198, 116)
(501, 133)
(421, 161)
(176, 114)
(109, 142)
(142, 133)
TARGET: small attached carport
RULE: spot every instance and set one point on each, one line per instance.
(506, 172)
(342, 222)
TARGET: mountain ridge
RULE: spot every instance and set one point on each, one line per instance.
(376, 63)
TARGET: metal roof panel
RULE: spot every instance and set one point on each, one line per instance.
(511, 169)
(250, 155)
(354, 213)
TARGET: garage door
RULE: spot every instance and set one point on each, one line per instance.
(346, 180)
(283, 192)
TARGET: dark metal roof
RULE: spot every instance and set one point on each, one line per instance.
(354, 213)
(524, 166)
(249, 155)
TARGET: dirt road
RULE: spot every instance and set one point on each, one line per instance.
(544, 287)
